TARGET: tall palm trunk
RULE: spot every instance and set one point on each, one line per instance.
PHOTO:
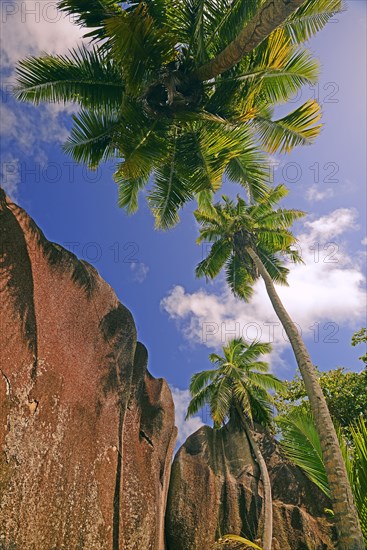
(346, 518)
(271, 14)
(268, 499)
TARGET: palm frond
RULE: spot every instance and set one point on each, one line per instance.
(92, 137)
(359, 476)
(84, 76)
(91, 14)
(280, 218)
(297, 128)
(220, 401)
(201, 379)
(215, 260)
(265, 380)
(275, 267)
(301, 444)
(170, 190)
(310, 18)
(246, 543)
(251, 169)
(278, 68)
(238, 279)
(139, 46)
(198, 401)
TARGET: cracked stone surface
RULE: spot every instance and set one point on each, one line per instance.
(86, 433)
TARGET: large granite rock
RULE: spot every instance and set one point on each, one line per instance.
(86, 434)
(215, 490)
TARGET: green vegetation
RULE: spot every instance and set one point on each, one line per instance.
(345, 393)
(236, 543)
(360, 337)
(151, 97)
(301, 445)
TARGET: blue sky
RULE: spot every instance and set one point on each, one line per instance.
(181, 319)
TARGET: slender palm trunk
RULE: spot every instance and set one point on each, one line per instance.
(346, 518)
(271, 14)
(268, 501)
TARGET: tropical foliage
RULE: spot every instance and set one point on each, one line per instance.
(345, 393)
(301, 444)
(235, 542)
(360, 337)
(143, 103)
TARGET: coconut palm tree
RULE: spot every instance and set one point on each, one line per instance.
(183, 90)
(252, 241)
(237, 390)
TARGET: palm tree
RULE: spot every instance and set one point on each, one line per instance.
(301, 444)
(237, 389)
(151, 97)
(252, 241)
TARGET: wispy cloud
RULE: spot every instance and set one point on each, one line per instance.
(181, 400)
(10, 174)
(140, 271)
(314, 194)
(31, 27)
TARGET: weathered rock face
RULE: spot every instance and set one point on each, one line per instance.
(86, 434)
(215, 490)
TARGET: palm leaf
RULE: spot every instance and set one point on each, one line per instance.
(246, 543)
(201, 379)
(198, 401)
(92, 137)
(139, 46)
(297, 128)
(310, 18)
(251, 169)
(301, 444)
(214, 262)
(84, 76)
(238, 279)
(91, 14)
(170, 191)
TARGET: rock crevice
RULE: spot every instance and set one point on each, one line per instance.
(75, 472)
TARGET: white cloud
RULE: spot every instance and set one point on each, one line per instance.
(313, 193)
(31, 128)
(332, 225)
(10, 175)
(140, 271)
(181, 400)
(329, 288)
(31, 27)
(364, 241)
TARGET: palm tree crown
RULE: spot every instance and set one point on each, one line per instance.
(235, 226)
(238, 387)
(142, 99)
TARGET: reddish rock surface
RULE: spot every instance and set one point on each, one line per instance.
(215, 490)
(86, 434)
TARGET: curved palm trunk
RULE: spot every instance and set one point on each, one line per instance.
(271, 14)
(268, 501)
(346, 518)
